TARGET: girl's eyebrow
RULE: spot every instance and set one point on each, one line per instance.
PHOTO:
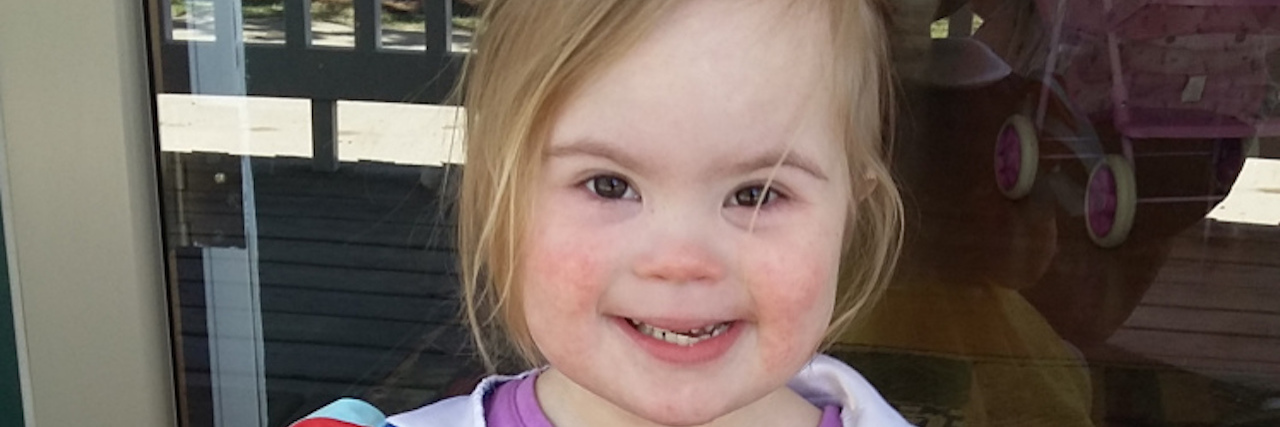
(770, 158)
(594, 148)
(764, 160)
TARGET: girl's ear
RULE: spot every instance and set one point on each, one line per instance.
(864, 186)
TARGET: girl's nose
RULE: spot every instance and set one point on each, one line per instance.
(683, 264)
(679, 254)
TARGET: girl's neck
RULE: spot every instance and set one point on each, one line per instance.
(568, 405)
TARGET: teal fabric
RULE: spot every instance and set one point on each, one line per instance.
(353, 411)
(10, 389)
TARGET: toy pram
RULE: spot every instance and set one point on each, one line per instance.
(1156, 69)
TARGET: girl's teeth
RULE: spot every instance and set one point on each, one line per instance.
(682, 339)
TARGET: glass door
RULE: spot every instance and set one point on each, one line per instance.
(304, 149)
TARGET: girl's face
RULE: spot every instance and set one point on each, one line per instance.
(643, 217)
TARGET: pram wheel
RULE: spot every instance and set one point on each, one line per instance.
(1111, 200)
(1017, 157)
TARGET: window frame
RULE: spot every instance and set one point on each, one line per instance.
(78, 190)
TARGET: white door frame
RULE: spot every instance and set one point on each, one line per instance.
(78, 182)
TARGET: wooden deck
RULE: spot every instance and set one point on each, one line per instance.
(356, 281)
(1214, 309)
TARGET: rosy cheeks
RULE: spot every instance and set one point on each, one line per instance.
(566, 270)
(793, 294)
(567, 265)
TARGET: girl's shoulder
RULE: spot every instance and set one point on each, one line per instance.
(458, 411)
(827, 381)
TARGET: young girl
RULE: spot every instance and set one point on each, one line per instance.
(668, 206)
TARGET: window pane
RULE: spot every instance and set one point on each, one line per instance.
(306, 214)
(404, 25)
(1092, 237)
(263, 21)
(333, 23)
(1092, 245)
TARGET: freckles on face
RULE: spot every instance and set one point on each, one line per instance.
(794, 292)
(563, 272)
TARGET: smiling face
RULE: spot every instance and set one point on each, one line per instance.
(649, 281)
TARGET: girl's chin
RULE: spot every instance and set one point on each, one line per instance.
(681, 413)
(681, 400)
(655, 399)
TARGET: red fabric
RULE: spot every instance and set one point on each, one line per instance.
(322, 422)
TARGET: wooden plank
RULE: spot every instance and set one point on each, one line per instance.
(410, 208)
(353, 305)
(1257, 299)
(363, 257)
(373, 282)
(1216, 242)
(340, 255)
(342, 331)
(1264, 377)
(1222, 276)
(372, 181)
(327, 329)
(1179, 319)
(1239, 252)
(328, 278)
(1210, 351)
(319, 253)
(370, 231)
(352, 365)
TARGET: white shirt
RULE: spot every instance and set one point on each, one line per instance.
(824, 381)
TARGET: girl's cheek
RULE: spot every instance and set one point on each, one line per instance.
(572, 264)
(795, 294)
(565, 263)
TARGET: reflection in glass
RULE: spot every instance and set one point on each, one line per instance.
(333, 23)
(306, 217)
(1071, 258)
(403, 25)
(193, 20)
(306, 194)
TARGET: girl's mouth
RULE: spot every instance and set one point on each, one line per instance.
(683, 338)
(682, 342)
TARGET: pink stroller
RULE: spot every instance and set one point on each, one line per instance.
(1157, 69)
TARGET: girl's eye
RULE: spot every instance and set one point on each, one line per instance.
(753, 196)
(610, 187)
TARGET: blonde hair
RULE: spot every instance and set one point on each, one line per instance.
(530, 57)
